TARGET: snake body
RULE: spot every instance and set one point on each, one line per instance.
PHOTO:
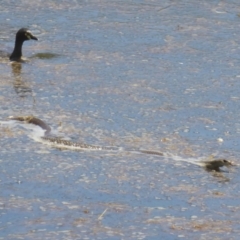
(62, 143)
(46, 137)
(75, 145)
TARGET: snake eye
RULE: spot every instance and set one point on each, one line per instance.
(28, 35)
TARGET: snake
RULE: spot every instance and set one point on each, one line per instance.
(45, 136)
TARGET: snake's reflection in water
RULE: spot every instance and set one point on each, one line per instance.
(19, 85)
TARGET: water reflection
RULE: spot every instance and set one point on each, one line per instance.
(20, 87)
(219, 175)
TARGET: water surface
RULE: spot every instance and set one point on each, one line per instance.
(159, 75)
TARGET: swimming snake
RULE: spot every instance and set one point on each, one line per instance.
(44, 136)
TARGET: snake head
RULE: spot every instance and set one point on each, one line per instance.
(217, 164)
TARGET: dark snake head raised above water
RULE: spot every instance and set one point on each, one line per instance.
(22, 35)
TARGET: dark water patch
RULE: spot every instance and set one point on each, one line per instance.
(46, 55)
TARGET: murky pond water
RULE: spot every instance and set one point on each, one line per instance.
(159, 75)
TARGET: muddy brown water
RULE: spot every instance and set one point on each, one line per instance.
(159, 75)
